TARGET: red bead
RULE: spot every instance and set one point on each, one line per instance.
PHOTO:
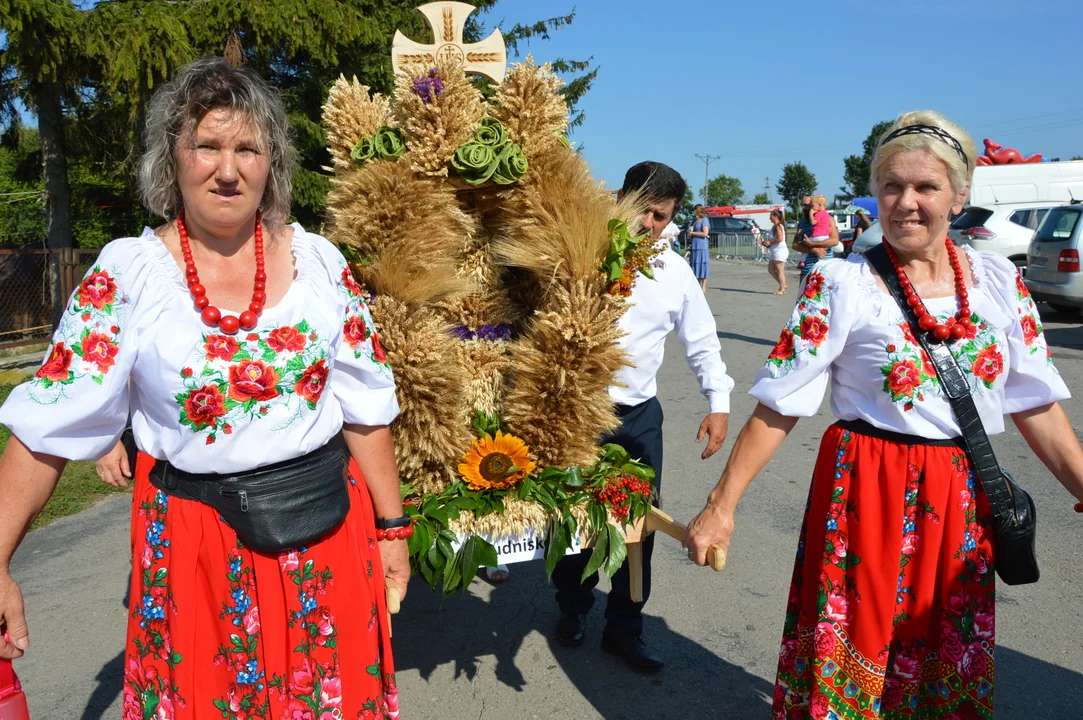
(925, 322)
(913, 300)
(958, 332)
(941, 333)
(248, 320)
(381, 534)
(190, 268)
(196, 289)
(256, 307)
(258, 285)
(920, 311)
(229, 324)
(259, 296)
(201, 301)
(210, 315)
(407, 531)
(261, 276)
(965, 321)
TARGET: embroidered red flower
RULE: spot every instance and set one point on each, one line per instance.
(186, 372)
(204, 406)
(312, 382)
(1020, 286)
(286, 339)
(221, 347)
(100, 350)
(355, 331)
(324, 621)
(98, 290)
(56, 367)
(378, 353)
(903, 378)
(813, 330)
(1030, 328)
(814, 285)
(252, 380)
(783, 349)
(351, 285)
(989, 364)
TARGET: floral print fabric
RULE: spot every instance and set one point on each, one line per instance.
(862, 640)
(846, 332)
(217, 631)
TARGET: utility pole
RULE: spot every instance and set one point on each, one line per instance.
(767, 188)
(707, 174)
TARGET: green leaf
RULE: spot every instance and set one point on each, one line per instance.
(616, 269)
(573, 477)
(268, 356)
(98, 379)
(648, 271)
(615, 454)
(618, 551)
(555, 547)
(639, 470)
(598, 557)
(549, 473)
(302, 327)
(525, 488)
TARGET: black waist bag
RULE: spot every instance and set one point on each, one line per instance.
(274, 508)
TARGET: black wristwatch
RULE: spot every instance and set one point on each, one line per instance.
(388, 523)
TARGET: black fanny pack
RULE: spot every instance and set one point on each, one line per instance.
(273, 508)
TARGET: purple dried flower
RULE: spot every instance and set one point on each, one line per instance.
(428, 87)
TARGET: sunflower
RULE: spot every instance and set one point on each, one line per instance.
(496, 463)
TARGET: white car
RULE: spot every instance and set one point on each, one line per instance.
(868, 239)
(1005, 229)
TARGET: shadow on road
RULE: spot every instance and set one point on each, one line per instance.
(468, 631)
(1028, 687)
(1065, 338)
(110, 682)
(745, 290)
(723, 335)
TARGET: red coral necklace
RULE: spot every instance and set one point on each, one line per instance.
(208, 313)
(955, 327)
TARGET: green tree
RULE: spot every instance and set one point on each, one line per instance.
(1076, 157)
(724, 190)
(685, 212)
(796, 181)
(761, 199)
(858, 167)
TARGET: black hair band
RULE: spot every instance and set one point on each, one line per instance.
(939, 133)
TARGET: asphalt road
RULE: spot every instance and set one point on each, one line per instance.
(487, 654)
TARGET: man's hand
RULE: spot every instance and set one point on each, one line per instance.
(819, 252)
(801, 246)
(714, 426)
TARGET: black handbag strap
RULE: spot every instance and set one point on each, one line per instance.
(957, 389)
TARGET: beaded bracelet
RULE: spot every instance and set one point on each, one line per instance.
(1079, 507)
(395, 533)
(388, 523)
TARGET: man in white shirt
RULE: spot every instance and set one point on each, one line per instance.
(673, 301)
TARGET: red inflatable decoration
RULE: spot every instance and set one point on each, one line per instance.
(997, 155)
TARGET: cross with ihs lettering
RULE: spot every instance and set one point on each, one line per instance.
(447, 19)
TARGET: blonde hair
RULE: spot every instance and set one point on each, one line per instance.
(960, 165)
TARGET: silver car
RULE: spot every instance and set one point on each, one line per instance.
(869, 238)
(1053, 273)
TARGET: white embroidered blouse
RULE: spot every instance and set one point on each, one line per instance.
(846, 330)
(207, 402)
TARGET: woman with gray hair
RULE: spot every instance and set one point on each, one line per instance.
(260, 548)
(891, 606)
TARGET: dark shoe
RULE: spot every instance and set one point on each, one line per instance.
(571, 630)
(635, 652)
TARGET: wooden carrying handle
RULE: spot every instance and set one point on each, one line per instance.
(394, 602)
(658, 520)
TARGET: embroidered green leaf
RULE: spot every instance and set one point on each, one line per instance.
(302, 327)
(268, 356)
(99, 378)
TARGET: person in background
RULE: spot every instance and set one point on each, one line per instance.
(701, 254)
(295, 389)
(891, 609)
(671, 235)
(671, 302)
(861, 224)
(777, 251)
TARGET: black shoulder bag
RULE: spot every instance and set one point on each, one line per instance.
(1014, 518)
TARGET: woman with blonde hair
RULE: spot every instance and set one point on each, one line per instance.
(777, 251)
(891, 605)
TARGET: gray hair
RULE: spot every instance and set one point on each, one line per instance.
(175, 111)
(960, 166)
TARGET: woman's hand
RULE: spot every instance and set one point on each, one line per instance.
(396, 559)
(113, 467)
(712, 527)
(12, 619)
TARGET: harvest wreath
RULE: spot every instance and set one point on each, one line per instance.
(495, 268)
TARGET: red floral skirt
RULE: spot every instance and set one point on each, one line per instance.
(217, 631)
(891, 607)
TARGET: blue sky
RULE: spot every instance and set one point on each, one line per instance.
(768, 82)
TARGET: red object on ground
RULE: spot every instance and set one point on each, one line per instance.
(12, 699)
(996, 154)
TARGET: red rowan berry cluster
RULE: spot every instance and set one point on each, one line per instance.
(616, 494)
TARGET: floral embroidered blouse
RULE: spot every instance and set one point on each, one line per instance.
(207, 402)
(846, 330)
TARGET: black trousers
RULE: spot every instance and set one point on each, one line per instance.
(640, 434)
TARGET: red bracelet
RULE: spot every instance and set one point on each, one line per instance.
(1079, 507)
(395, 533)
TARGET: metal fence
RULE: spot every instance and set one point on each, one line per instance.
(744, 246)
(34, 287)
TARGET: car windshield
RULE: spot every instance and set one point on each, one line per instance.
(1059, 224)
(971, 217)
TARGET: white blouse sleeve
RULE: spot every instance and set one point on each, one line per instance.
(1032, 379)
(361, 380)
(76, 405)
(794, 379)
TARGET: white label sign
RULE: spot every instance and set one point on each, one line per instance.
(520, 548)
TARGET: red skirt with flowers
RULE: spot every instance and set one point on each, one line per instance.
(217, 631)
(890, 612)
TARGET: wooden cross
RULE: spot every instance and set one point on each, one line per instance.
(447, 19)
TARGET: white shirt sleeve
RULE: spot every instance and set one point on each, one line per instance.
(795, 377)
(76, 405)
(696, 329)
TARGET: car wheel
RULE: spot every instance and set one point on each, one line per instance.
(1066, 309)
(1021, 264)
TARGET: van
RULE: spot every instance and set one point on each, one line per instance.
(1026, 183)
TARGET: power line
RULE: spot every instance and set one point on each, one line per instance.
(707, 174)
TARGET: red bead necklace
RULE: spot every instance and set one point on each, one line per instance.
(208, 313)
(956, 327)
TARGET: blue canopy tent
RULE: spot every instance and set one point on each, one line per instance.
(868, 204)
